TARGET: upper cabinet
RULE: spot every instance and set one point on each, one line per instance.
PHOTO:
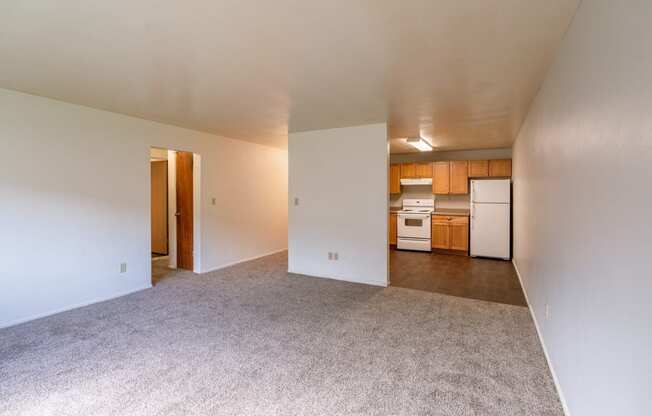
(500, 168)
(416, 170)
(450, 177)
(395, 179)
(441, 178)
(478, 168)
(459, 177)
(408, 170)
(424, 170)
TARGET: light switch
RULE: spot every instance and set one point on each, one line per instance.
(296, 201)
(212, 201)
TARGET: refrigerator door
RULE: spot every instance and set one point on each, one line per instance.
(493, 191)
(490, 230)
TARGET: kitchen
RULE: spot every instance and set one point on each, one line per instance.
(450, 223)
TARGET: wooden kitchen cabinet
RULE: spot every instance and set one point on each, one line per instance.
(408, 170)
(423, 170)
(395, 179)
(459, 177)
(500, 168)
(459, 233)
(441, 178)
(478, 168)
(392, 228)
(440, 235)
(450, 233)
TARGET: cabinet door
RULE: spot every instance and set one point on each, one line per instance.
(424, 170)
(392, 228)
(478, 168)
(459, 235)
(441, 178)
(459, 177)
(395, 179)
(408, 170)
(440, 235)
(500, 168)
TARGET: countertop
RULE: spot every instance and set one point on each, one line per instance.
(452, 212)
(441, 211)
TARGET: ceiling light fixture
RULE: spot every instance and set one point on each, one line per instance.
(419, 143)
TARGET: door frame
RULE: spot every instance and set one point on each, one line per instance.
(172, 226)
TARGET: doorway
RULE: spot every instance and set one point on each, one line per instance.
(174, 212)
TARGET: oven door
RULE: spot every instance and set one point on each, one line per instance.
(414, 225)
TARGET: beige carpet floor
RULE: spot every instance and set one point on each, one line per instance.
(255, 340)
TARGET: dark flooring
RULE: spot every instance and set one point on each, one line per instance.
(467, 277)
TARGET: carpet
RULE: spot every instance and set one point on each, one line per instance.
(253, 339)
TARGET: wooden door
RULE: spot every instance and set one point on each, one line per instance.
(424, 170)
(392, 228)
(478, 168)
(441, 178)
(459, 233)
(459, 177)
(500, 168)
(408, 170)
(395, 179)
(159, 206)
(184, 212)
(440, 235)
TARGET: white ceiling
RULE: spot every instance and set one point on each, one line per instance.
(459, 73)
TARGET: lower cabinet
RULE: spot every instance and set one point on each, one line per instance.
(459, 231)
(392, 228)
(450, 233)
(440, 235)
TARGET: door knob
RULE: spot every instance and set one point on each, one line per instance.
(177, 214)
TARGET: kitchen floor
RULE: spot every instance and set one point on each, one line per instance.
(456, 275)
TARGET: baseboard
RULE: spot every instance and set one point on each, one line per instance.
(71, 307)
(323, 276)
(543, 344)
(224, 266)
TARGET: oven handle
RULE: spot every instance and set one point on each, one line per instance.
(414, 216)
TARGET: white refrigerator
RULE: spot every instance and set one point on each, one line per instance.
(490, 218)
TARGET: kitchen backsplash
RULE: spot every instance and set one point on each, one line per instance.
(425, 192)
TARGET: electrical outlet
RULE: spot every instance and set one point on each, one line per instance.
(547, 312)
(335, 256)
(330, 256)
(123, 267)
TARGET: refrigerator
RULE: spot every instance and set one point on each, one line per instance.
(490, 218)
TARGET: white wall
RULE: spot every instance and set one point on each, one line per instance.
(340, 178)
(582, 229)
(74, 192)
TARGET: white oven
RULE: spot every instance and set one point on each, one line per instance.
(413, 225)
(413, 232)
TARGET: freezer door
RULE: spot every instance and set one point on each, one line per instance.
(495, 191)
(490, 230)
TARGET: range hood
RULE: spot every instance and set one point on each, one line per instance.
(420, 181)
